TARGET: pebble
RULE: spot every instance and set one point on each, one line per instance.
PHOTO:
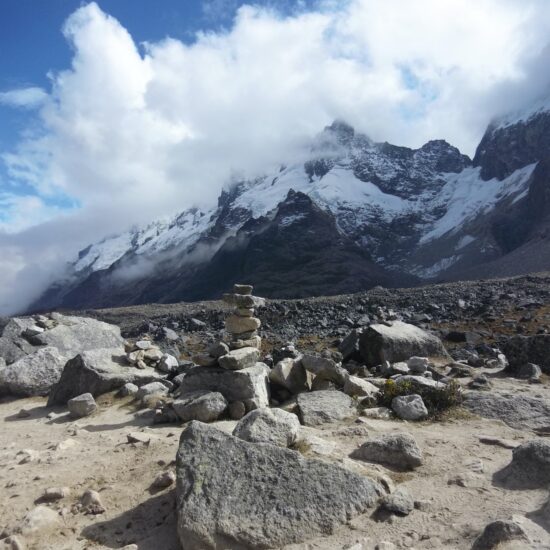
(164, 479)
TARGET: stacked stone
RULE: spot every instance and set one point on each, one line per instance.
(242, 328)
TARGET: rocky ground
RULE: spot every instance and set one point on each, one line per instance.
(473, 464)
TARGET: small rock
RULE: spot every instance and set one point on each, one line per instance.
(168, 363)
(399, 502)
(143, 345)
(164, 479)
(153, 388)
(355, 387)
(139, 437)
(23, 413)
(218, 349)
(409, 407)
(82, 405)
(204, 406)
(128, 389)
(91, 503)
(379, 413)
(39, 519)
(529, 371)
(498, 532)
(418, 365)
(55, 493)
(400, 450)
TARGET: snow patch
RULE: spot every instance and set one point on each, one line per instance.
(465, 241)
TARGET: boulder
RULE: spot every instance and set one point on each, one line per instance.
(399, 502)
(518, 411)
(290, 374)
(76, 334)
(82, 405)
(205, 406)
(520, 350)
(325, 368)
(238, 359)
(33, 374)
(498, 532)
(349, 347)
(247, 384)
(409, 407)
(358, 387)
(217, 349)
(324, 406)
(398, 341)
(168, 363)
(97, 371)
(531, 463)
(230, 493)
(399, 450)
(273, 426)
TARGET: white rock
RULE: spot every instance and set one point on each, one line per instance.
(39, 519)
(409, 407)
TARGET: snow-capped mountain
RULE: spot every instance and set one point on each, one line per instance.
(355, 214)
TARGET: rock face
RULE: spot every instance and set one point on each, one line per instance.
(399, 450)
(226, 488)
(33, 374)
(97, 371)
(240, 385)
(518, 411)
(320, 407)
(204, 406)
(398, 342)
(273, 426)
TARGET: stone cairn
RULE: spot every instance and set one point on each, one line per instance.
(242, 349)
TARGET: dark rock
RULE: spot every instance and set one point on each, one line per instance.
(398, 341)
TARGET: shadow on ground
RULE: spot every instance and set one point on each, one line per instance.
(151, 525)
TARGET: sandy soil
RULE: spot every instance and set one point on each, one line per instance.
(37, 453)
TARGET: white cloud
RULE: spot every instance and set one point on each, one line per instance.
(26, 98)
(133, 133)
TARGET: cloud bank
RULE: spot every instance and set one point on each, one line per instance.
(131, 132)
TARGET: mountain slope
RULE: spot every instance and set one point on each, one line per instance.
(354, 215)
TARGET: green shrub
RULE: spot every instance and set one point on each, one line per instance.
(436, 400)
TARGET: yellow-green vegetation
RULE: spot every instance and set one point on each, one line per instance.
(436, 400)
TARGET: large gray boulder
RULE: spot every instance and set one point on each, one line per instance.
(320, 407)
(518, 411)
(33, 374)
(531, 463)
(76, 334)
(205, 406)
(231, 493)
(97, 371)
(273, 426)
(249, 384)
(290, 374)
(324, 368)
(398, 341)
(520, 350)
(399, 450)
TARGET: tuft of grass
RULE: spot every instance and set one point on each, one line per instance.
(436, 400)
